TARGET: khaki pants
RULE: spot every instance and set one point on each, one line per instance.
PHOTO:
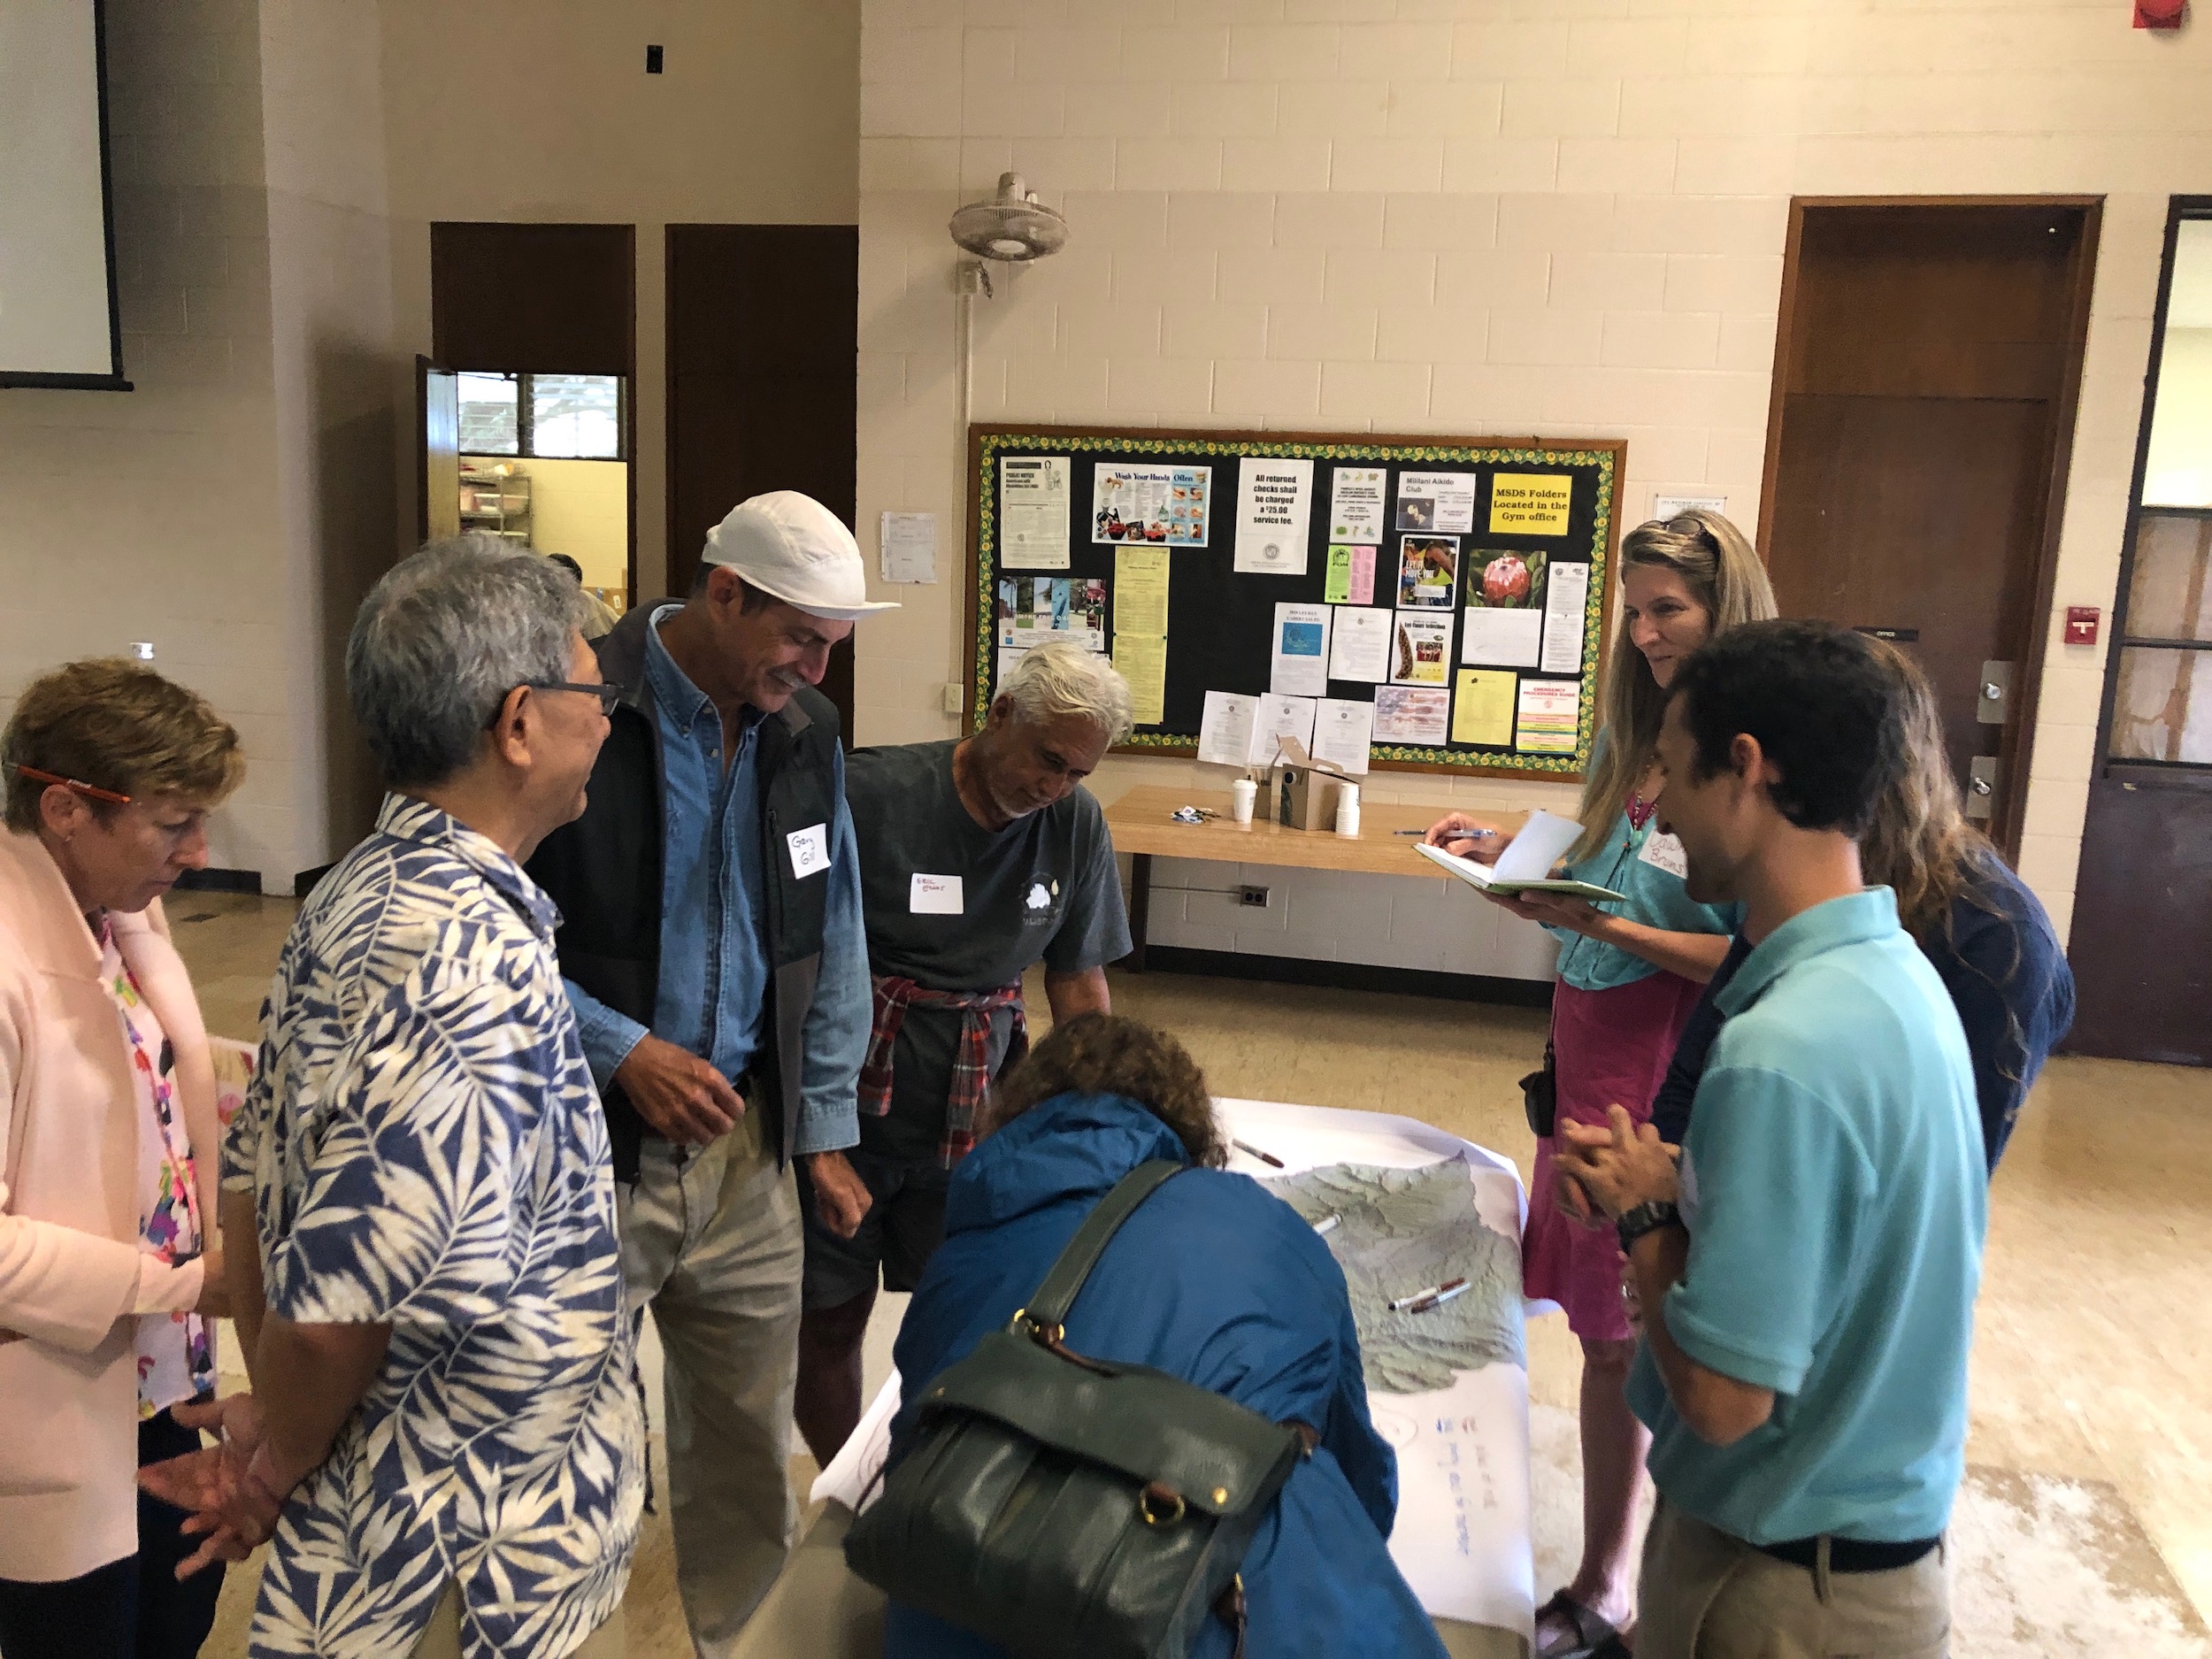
(1707, 1596)
(712, 1242)
(442, 1639)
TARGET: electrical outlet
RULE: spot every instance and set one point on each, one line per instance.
(951, 700)
(1255, 898)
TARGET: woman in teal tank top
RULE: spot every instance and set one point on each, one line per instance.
(1629, 975)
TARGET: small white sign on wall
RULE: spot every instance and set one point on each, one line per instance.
(1675, 506)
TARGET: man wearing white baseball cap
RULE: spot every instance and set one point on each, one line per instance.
(712, 946)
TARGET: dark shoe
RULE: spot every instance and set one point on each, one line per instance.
(1593, 1637)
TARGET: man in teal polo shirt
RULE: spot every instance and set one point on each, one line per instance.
(1808, 1277)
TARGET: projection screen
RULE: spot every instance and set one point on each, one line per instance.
(57, 321)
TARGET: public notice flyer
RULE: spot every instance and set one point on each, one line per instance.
(1547, 718)
(1422, 648)
(1350, 577)
(1034, 497)
(1355, 504)
(1274, 508)
(1441, 502)
(1166, 506)
(1565, 596)
(1412, 714)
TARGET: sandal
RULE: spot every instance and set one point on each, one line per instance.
(1591, 1632)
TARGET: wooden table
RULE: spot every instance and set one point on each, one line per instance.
(1143, 825)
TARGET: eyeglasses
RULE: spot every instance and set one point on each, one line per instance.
(90, 791)
(608, 695)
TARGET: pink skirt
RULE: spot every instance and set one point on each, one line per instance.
(1611, 1047)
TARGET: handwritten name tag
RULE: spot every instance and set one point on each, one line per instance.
(809, 850)
(1664, 852)
(935, 896)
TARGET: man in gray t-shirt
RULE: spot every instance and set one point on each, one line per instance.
(978, 858)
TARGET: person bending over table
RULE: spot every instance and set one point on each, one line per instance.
(978, 858)
(1807, 1277)
(1628, 978)
(1213, 1280)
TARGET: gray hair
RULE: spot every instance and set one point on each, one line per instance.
(1061, 679)
(441, 641)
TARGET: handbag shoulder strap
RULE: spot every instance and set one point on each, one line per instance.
(1048, 1308)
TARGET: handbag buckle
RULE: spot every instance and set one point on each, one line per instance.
(1160, 1505)
(1049, 1336)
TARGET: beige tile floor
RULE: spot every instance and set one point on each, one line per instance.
(2093, 1363)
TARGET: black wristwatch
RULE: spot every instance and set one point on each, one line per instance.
(1645, 1219)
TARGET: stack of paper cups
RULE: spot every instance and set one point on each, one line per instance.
(1347, 809)
(1242, 793)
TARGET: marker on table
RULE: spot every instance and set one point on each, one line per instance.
(1432, 1295)
(1438, 1300)
(1326, 1225)
(1268, 1158)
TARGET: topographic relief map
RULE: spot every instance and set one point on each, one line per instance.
(1402, 1231)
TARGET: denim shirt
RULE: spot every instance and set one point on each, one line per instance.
(714, 970)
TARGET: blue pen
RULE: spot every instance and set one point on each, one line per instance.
(1463, 835)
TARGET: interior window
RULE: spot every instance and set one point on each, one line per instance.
(577, 416)
(491, 414)
(2162, 692)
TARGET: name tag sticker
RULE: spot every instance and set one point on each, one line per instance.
(1664, 852)
(935, 896)
(809, 850)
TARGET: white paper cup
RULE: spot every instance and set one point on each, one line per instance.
(1347, 809)
(1243, 794)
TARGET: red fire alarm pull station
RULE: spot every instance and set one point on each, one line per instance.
(2081, 624)
(2160, 15)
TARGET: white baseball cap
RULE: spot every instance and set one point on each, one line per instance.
(794, 548)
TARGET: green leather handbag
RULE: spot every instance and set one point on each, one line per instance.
(1062, 1506)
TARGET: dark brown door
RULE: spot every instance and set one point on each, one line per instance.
(762, 334)
(438, 446)
(2141, 945)
(1924, 401)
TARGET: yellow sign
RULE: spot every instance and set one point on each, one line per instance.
(1530, 504)
(1142, 660)
(1483, 711)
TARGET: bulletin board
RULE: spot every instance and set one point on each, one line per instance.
(1483, 564)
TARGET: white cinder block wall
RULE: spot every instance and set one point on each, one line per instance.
(1478, 216)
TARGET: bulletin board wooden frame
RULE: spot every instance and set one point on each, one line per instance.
(1602, 462)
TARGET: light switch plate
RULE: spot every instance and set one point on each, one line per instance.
(953, 701)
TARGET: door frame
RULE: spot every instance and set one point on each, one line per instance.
(2178, 208)
(2018, 746)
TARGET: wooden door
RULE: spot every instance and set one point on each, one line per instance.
(2141, 944)
(764, 329)
(438, 452)
(1924, 403)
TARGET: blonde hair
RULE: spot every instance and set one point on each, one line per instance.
(1718, 564)
(1920, 844)
(118, 726)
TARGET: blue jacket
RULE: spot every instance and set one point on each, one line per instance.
(1214, 1280)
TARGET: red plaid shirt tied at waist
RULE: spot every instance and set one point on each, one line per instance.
(971, 1054)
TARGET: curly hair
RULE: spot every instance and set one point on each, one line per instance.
(1108, 1054)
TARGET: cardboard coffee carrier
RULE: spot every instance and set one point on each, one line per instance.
(1306, 789)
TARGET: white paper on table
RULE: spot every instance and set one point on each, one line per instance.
(1301, 663)
(1034, 493)
(1566, 595)
(1278, 717)
(1342, 731)
(1274, 508)
(1536, 846)
(1359, 644)
(1441, 502)
(852, 1472)
(1225, 731)
(909, 544)
(1486, 1575)
(1502, 639)
(1355, 503)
